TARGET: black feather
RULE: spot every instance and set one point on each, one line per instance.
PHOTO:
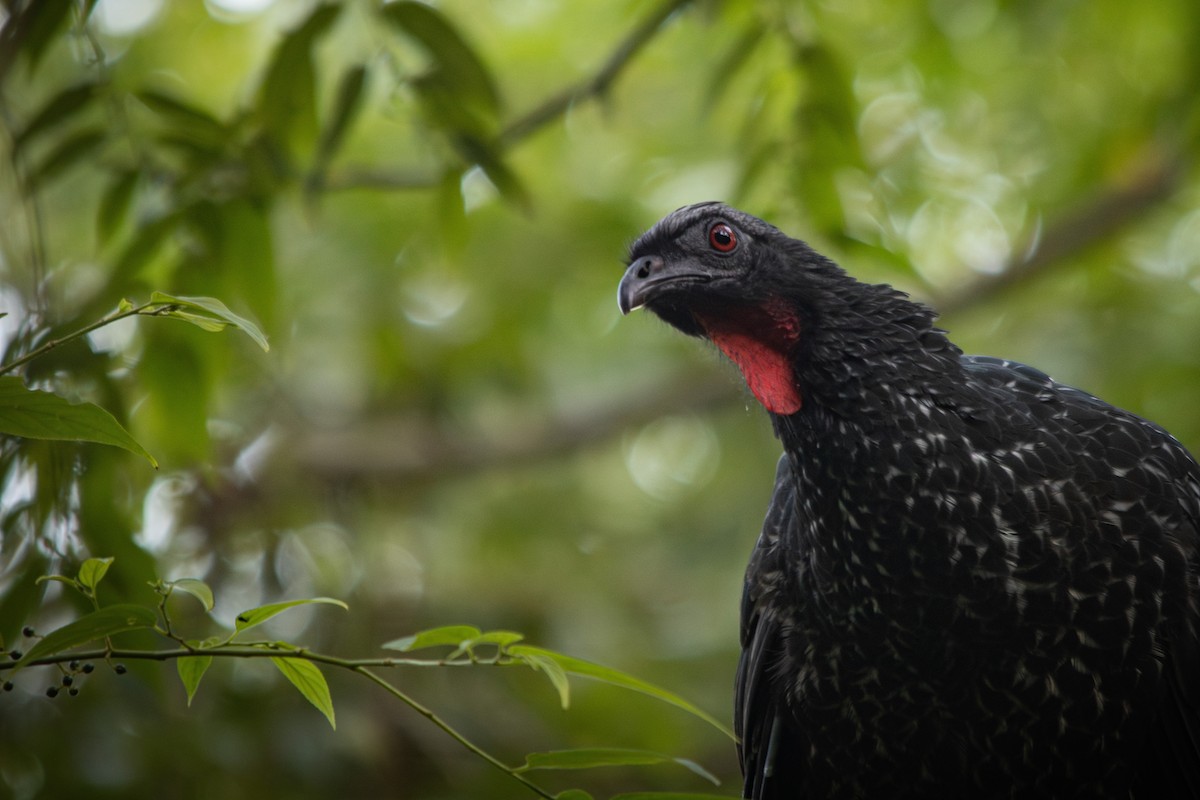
(972, 581)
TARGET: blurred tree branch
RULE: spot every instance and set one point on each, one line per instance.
(595, 86)
(411, 449)
(1093, 220)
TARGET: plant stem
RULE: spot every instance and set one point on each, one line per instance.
(79, 334)
(452, 733)
(361, 666)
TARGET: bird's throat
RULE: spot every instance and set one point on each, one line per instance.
(761, 341)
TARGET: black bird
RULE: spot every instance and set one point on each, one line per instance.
(972, 581)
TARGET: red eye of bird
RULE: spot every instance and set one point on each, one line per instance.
(722, 238)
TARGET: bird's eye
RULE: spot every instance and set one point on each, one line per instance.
(722, 238)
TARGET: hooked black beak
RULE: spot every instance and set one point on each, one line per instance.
(646, 278)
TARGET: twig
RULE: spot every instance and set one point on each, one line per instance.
(531, 122)
(450, 731)
(598, 84)
(1091, 222)
(430, 453)
(362, 667)
(150, 309)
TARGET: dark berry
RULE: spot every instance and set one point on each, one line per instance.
(73, 666)
(67, 680)
(8, 686)
(119, 669)
(15, 655)
(28, 631)
(74, 691)
(87, 668)
(52, 691)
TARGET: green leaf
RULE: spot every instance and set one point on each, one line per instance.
(501, 639)
(34, 414)
(287, 103)
(92, 571)
(549, 667)
(588, 669)
(670, 796)
(72, 149)
(307, 677)
(213, 315)
(573, 794)
(56, 111)
(454, 635)
(74, 584)
(99, 624)
(196, 588)
(256, 616)
(146, 241)
(589, 757)
(458, 66)
(192, 124)
(477, 151)
(114, 204)
(191, 669)
(349, 101)
(33, 30)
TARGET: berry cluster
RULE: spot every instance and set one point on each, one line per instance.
(70, 673)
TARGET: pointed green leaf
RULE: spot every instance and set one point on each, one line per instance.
(213, 315)
(589, 757)
(287, 103)
(56, 111)
(588, 669)
(549, 667)
(453, 635)
(500, 639)
(193, 124)
(114, 204)
(196, 588)
(74, 584)
(257, 616)
(35, 414)
(145, 243)
(307, 677)
(458, 66)
(72, 149)
(487, 156)
(573, 794)
(99, 624)
(191, 670)
(670, 796)
(349, 100)
(34, 29)
(92, 571)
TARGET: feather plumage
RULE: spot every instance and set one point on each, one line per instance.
(972, 580)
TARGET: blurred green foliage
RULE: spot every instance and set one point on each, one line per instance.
(425, 207)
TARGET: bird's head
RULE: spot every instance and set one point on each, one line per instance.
(716, 272)
(771, 303)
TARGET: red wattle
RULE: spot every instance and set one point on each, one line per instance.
(760, 343)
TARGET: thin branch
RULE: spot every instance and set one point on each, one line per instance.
(419, 450)
(1091, 222)
(251, 651)
(362, 667)
(146, 309)
(598, 84)
(529, 123)
(413, 449)
(450, 731)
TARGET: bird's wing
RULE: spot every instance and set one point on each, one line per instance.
(1140, 461)
(769, 742)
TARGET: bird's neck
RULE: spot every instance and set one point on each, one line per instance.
(762, 341)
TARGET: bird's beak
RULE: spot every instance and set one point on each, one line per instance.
(647, 277)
